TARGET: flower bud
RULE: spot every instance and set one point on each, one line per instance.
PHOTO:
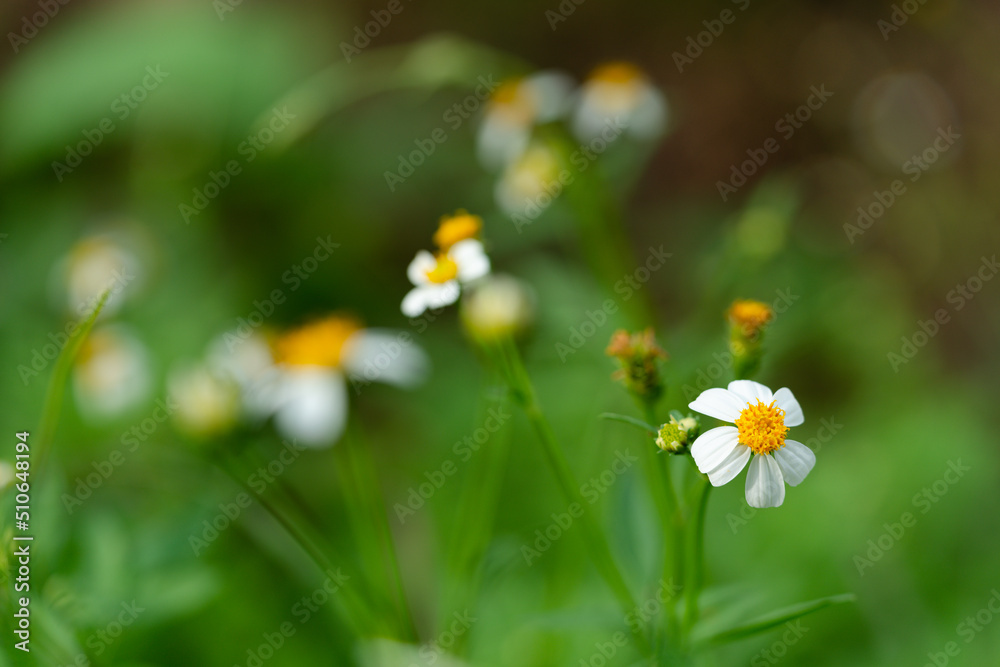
(639, 356)
(676, 435)
(747, 320)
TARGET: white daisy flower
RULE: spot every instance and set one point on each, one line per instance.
(94, 265)
(529, 183)
(761, 421)
(619, 93)
(112, 373)
(514, 109)
(306, 387)
(207, 401)
(438, 279)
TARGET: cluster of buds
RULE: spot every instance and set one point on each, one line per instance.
(676, 436)
(747, 321)
(639, 356)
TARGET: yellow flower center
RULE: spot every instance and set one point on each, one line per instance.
(446, 269)
(762, 427)
(513, 100)
(319, 343)
(458, 227)
(750, 316)
(617, 72)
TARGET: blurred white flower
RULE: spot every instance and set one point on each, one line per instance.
(112, 373)
(306, 388)
(619, 95)
(529, 183)
(207, 402)
(6, 474)
(515, 108)
(96, 264)
(762, 420)
(439, 279)
(499, 306)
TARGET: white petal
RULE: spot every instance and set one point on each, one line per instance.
(550, 94)
(793, 411)
(795, 461)
(313, 406)
(649, 117)
(719, 403)
(751, 391)
(431, 296)
(501, 140)
(713, 446)
(589, 120)
(414, 303)
(731, 467)
(385, 356)
(418, 268)
(765, 485)
(471, 260)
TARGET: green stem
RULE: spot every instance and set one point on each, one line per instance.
(357, 612)
(696, 551)
(671, 520)
(372, 500)
(597, 541)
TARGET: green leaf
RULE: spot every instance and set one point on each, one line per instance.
(638, 423)
(775, 618)
(60, 375)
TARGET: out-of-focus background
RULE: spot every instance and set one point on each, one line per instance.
(215, 146)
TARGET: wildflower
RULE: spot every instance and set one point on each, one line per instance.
(674, 436)
(638, 355)
(761, 423)
(112, 373)
(305, 387)
(530, 182)
(94, 265)
(516, 106)
(438, 279)
(747, 320)
(457, 228)
(500, 306)
(619, 93)
(207, 401)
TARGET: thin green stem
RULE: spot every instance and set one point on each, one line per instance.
(372, 499)
(696, 551)
(597, 541)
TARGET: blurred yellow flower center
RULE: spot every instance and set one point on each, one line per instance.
(762, 427)
(319, 343)
(458, 227)
(750, 315)
(514, 101)
(617, 72)
(446, 269)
